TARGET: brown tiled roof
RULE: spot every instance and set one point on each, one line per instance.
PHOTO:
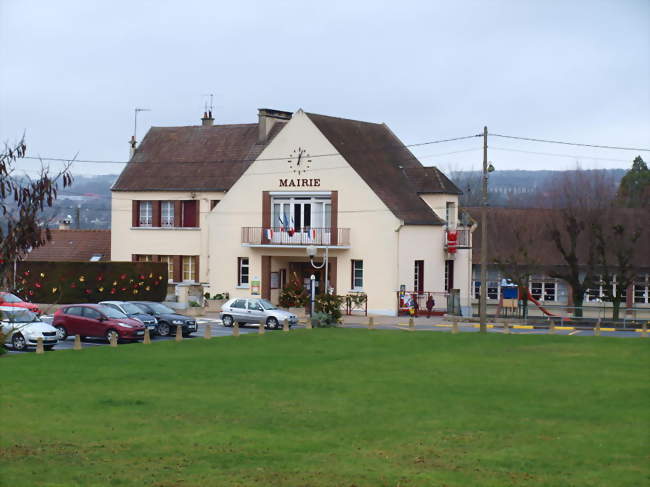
(193, 158)
(74, 245)
(386, 165)
(503, 222)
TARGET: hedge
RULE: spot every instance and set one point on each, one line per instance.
(77, 282)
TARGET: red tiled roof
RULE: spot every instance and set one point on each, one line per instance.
(74, 245)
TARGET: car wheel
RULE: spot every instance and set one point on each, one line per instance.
(61, 332)
(227, 321)
(112, 333)
(163, 329)
(272, 323)
(18, 342)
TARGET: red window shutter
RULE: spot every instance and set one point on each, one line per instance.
(178, 215)
(351, 273)
(178, 268)
(135, 213)
(266, 276)
(197, 277)
(155, 213)
(238, 270)
(266, 214)
(335, 217)
(189, 213)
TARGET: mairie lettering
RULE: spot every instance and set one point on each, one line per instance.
(300, 183)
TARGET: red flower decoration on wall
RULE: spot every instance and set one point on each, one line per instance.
(87, 291)
(38, 285)
(123, 276)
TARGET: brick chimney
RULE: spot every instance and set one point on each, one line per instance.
(267, 118)
(207, 120)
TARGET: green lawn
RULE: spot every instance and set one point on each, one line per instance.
(333, 407)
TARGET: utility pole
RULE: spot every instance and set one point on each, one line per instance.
(78, 217)
(484, 244)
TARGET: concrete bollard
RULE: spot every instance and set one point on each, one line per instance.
(551, 328)
(411, 324)
(39, 345)
(597, 329)
(506, 328)
(113, 340)
(179, 333)
(260, 329)
(454, 326)
(147, 337)
(77, 343)
(235, 329)
(285, 325)
(371, 323)
(644, 330)
(308, 325)
(207, 332)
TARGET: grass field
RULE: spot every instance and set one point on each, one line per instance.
(331, 407)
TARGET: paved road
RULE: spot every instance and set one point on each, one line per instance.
(218, 330)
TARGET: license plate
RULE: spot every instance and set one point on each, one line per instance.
(139, 333)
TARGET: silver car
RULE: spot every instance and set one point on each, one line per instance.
(255, 310)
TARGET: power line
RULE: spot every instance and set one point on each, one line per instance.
(555, 154)
(530, 139)
(383, 149)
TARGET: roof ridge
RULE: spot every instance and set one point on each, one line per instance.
(346, 119)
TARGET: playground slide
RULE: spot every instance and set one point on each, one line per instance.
(541, 308)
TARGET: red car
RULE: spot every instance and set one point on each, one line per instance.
(95, 320)
(8, 299)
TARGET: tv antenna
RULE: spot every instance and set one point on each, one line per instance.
(135, 120)
(208, 108)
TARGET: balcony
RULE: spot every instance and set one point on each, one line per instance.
(279, 237)
(458, 239)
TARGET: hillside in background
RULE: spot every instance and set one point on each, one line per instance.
(91, 195)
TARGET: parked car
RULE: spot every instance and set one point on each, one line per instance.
(134, 311)
(22, 328)
(11, 300)
(168, 319)
(95, 320)
(252, 310)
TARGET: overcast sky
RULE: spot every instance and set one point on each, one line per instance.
(73, 71)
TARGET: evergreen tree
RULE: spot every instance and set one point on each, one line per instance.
(634, 190)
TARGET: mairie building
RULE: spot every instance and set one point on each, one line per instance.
(236, 208)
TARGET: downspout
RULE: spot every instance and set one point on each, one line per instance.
(399, 227)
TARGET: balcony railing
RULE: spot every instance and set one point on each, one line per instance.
(303, 236)
(458, 239)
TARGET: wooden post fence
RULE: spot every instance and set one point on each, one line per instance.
(77, 343)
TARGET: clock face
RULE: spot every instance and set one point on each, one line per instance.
(299, 160)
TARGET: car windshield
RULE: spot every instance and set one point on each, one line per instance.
(131, 308)
(160, 308)
(111, 312)
(19, 316)
(266, 305)
(10, 298)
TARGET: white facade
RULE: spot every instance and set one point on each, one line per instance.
(344, 215)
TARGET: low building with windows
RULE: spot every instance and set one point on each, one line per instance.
(236, 208)
(520, 235)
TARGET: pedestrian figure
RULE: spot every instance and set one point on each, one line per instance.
(430, 304)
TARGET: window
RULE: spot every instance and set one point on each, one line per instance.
(95, 258)
(145, 258)
(642, 290)
(477, 290)
(170, 266)
(418, 276)
(239, 303)
(189, 268)
(449, 275)
(255, 305)
(73, 311)
(146, 214)
(301, 213)
(543, 291)
(451, 214)
(91, 314)
(167, 213)
(357, 275)
(242, 271)
(493, 290)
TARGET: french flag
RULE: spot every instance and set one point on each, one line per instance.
(268, 233)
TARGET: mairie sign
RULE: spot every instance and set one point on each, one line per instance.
(300, 183)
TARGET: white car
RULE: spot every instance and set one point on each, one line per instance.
(22, 329)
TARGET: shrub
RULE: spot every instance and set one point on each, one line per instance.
(322, 320)
(330, 304)
(75, 282)
(194, 304)
(293, 295)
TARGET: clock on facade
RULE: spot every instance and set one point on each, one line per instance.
(299, 160)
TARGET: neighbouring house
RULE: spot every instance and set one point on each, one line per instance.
(543, 258)
(235, 208)
(74, 245)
